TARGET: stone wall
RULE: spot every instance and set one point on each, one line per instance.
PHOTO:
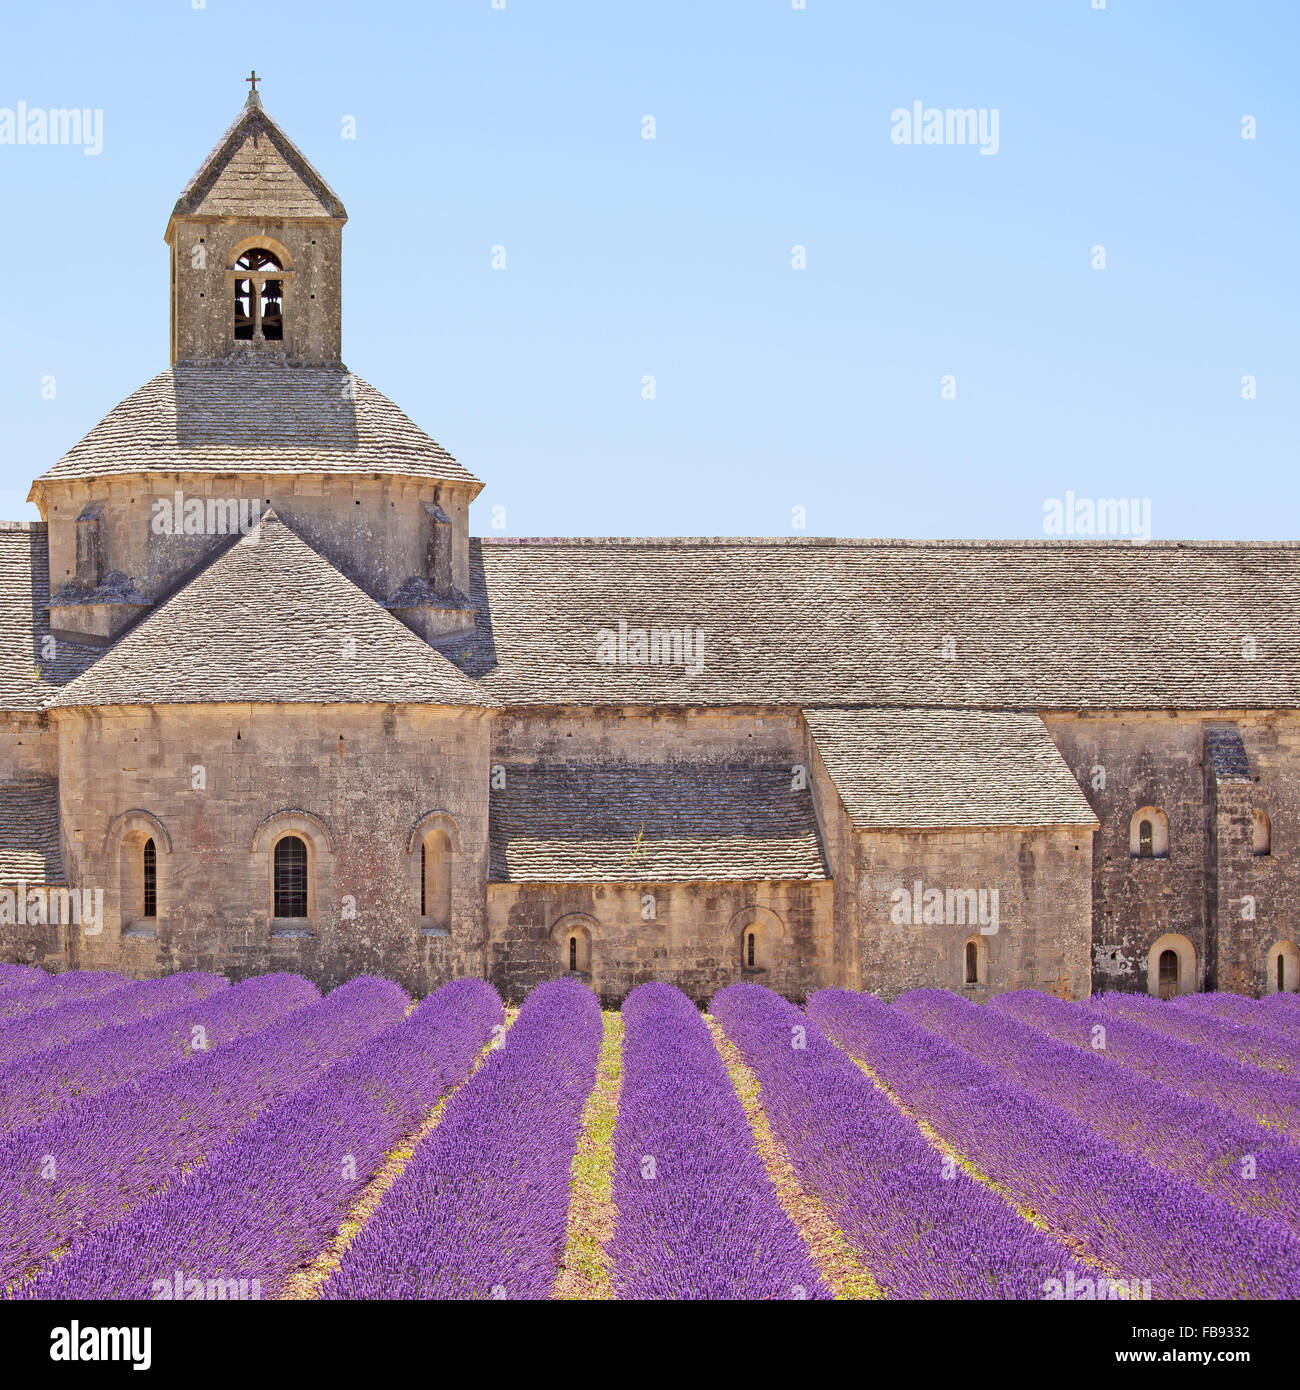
(1043, 883)
(206, 782)
(376, 530)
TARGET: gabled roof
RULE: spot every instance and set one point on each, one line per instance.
(651, 823)
(29, 831)
(237, 416)
(1035, 625)
(915, 769)
(33, 666)
(269, 620)
(257, 171)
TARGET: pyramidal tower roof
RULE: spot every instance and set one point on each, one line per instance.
(256, 169)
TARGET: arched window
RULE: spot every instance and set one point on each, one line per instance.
(290, 877)
(1261, 834)
(1171, 966)
(1148, 834)
(150, 870)
(972, 963)
(1168, 985)
(435, 881)
(573, 953)
(1283, 968)
(259, 297)
(570, 942)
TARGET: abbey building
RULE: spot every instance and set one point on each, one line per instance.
(264, 694)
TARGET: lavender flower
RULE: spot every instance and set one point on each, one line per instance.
(38, 1086)
(86, 1169)
(924, 1229)
(1240, 1089)
(1135, 1219)
(1231, 1158)
(1261, 1047)
(697, 1214)
(480, 1210)
(271, 1197)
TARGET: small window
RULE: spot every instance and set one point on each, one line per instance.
(1148, 833)
(1261, 834)
(573, 953)
(1168, 983)
(749, 950)
(150, 879)
(972, 963)
(291, 877)
(259, 298)
(435, 880)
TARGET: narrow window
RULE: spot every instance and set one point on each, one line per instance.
(1261, 834)
(150, 880)
(1281, 973)
(972, 963)
(1145, 840)
(435, 880)
(573, 953)
(424, 889)
(749, 951)
(291, 877)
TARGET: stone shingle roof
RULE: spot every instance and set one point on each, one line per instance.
(913, 769)
(651, 823)
(29, 831)
(257, 171)
(32, 667)
(269, 620)
(240, 416)
(1036, 625)
(1227, 753)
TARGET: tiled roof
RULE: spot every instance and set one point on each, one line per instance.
(32, 666)
(1227, 753)
(269, 620)
(912, 769)
(651, 823)
(29, 831)
(257, 171)
(1033, 625)
(240, 416)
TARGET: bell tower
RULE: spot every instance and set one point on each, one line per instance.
(256, 244)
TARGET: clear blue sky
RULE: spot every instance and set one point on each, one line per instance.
(776, 388)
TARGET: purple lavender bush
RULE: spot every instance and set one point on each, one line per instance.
(1266, 1098)
(1141, 1223)
(1282, 1009)
(20, 976)
(37, 1087)
(1236, 1008)
(698, 1216)
(1260, 1047)
(72, 986)
(1233, 1159)
(65, 1023)
(272, 1197)
(923, 1228)
(86, 1169)
(481, 1209)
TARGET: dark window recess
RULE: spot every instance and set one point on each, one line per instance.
(749, 951)
(259, 298)
(972, 963)
(1144, 840)
(573, 953)
(291, 877)
(423, 893)
(150, 879)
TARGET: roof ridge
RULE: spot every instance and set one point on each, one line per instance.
(883, 542)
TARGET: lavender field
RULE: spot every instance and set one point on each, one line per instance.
(187, 1138)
